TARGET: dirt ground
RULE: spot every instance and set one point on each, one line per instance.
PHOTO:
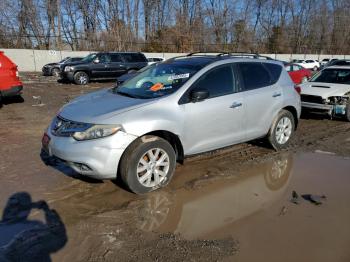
(230, 205)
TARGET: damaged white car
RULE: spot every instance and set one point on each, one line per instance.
(328, 91)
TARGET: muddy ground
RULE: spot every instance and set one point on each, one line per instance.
(229, 205)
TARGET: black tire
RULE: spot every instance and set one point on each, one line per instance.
(315, 68)
(55, 72)
(272, 133)
(81, 78)
(132, 156)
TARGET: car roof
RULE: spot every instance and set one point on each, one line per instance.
(338, 67)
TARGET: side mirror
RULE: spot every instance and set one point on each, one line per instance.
(97, 61)
(199, 95)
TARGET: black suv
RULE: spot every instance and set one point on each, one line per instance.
(100, 66)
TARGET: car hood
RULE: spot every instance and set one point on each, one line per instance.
(99, 107)
(52, 64)
(324, 90)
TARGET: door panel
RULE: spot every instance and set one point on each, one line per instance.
(213, 123)
(262, 104)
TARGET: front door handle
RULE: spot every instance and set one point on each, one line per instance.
(236, 104)
(276, 94)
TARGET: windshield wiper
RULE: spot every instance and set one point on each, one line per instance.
(126, 94)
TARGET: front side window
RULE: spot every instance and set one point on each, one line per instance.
(254, 75)
(104, 58)
(218, 82)
(338, 76)
(158, 80)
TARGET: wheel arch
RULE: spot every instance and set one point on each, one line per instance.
(174, 141)
(294, 112)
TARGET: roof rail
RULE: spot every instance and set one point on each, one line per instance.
(234, 54)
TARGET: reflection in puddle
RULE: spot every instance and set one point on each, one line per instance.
(193, 213)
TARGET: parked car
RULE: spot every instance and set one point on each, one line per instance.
(54, 69)
(324, 61)
(338, 62)
(10, 84)
(309, 64)
(328, 91)
(298, 73)
(152, 60)
(184, 106)
(100, 66)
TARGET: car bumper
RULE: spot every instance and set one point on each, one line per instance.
(98, 158)
(12, 91)
(46, 71)
(67, 75)
(309, 105)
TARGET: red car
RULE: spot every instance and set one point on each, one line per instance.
(10, 85)
(298, 73)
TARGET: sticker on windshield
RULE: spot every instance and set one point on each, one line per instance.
(156, 87)
(175, 77)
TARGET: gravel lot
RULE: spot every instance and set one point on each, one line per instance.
(221, 205)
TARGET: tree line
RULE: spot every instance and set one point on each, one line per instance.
(264, 26)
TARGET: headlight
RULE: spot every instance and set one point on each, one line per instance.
(68, 68)
(96, 131)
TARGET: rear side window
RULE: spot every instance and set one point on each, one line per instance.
(275, 71)
(254, 75)
(134, 57)
(218, 81)
(115, 58)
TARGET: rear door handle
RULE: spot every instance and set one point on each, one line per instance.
(236, 104)
(276, 94)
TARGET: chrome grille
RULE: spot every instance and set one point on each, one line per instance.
(64, 127)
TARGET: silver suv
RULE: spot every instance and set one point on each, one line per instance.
(181, 107)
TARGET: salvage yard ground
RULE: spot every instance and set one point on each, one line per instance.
(229, 205)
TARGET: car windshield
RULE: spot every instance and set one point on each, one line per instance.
(337, 76)
(158, 80)
(64, 60)
(89, 58)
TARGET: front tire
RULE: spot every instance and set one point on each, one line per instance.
(55, 72)
(282, 130)
(81, 78)
(315, 68)
(147, 164)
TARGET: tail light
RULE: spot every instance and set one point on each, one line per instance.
(297, 88)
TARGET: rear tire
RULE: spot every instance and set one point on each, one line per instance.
(147, 164)
(315, 68)
(282, 130)
(81, 78)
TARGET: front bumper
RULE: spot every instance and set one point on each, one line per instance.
(12, 91)
(46, 71)
(98, 158)
(67, 75)
(316, 106)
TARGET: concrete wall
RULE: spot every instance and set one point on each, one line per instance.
(34, 60)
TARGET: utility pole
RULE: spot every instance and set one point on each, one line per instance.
(59, 24)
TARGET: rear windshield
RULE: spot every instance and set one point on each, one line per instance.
(332, 75)
(158, 80)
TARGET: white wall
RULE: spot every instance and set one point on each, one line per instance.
(34, 60)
